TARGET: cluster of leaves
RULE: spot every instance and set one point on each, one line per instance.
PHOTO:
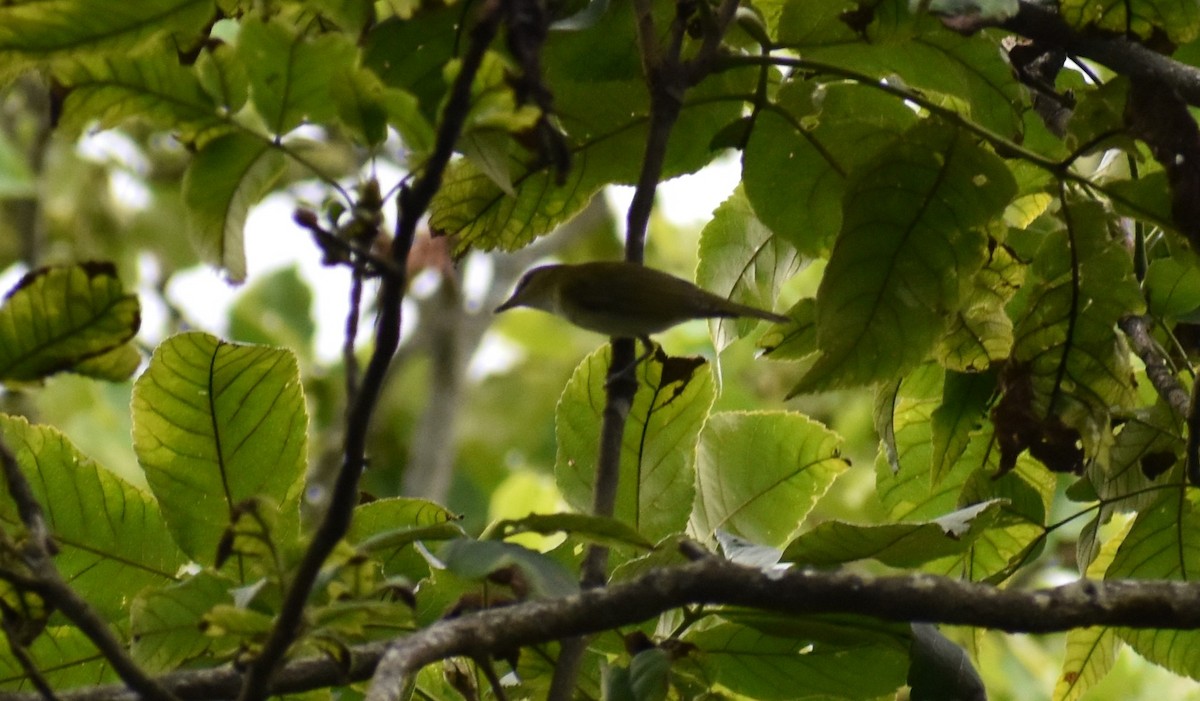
(973, 258)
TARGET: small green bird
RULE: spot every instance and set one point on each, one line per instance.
(623, 299)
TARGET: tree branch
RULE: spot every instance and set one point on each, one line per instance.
(711, 581)
(1035, 21)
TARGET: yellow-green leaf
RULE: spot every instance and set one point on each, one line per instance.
(215, 424)
(56, 319)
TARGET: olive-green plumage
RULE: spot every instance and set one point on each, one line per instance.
(622, 299)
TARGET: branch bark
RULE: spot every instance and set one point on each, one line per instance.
(711, 581)
(1035, 21)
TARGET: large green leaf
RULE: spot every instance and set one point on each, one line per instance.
(153, 89)
(1065, 348)
(759, 474)
(36, 31)
(800, 153)
(290, 74)
(896, 544)
(389, 528)
(112, 538)
(165, 623)
(966, 74)
(742, 260)
(1164, 543)
(907, 254)
(225, 178)
(1091, 652)
(657, 454)
(903, 418)
(66, 657)
(605, 123)
(964, 401)
(215, 424)
(764, 666)
(1178, 19)
(57, 319)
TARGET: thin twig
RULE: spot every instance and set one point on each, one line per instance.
(28, 666)
(412, 204)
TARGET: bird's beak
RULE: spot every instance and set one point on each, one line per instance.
(508, 304)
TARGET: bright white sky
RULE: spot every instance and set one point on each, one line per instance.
(273, 241)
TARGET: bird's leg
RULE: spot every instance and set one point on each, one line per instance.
(630, 368)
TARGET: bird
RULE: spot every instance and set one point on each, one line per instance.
(622, 299)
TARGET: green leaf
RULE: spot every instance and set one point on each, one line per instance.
(117, 365)
(1180, 21)
(388, 528)
(1164, 543)
(967, 75)
(411, 55)
(165, 623)
(649, 672)
(37, 31)
(964, 401)
(768, 667)
(223, 77)
(1090, 655)
(366, 106)
(476, 559)
(740, 259)
(794, 341)
(1172, 287)
(215, 424)
(657, 453)
(800, 154)
(152, 89)
(1091, 652)
(1146, 448)
(812, 23)
(896, 544)
(66, 657)
(906, 257)
(111, 536)
(16, 178)
(989, 11)
(1019, 534)
(290, 74)
(903, 478)
(58, 318)
(758, 475)
(605, 123)
(225, 178)
(1077, 366)
(602, 530)
(980, 333)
